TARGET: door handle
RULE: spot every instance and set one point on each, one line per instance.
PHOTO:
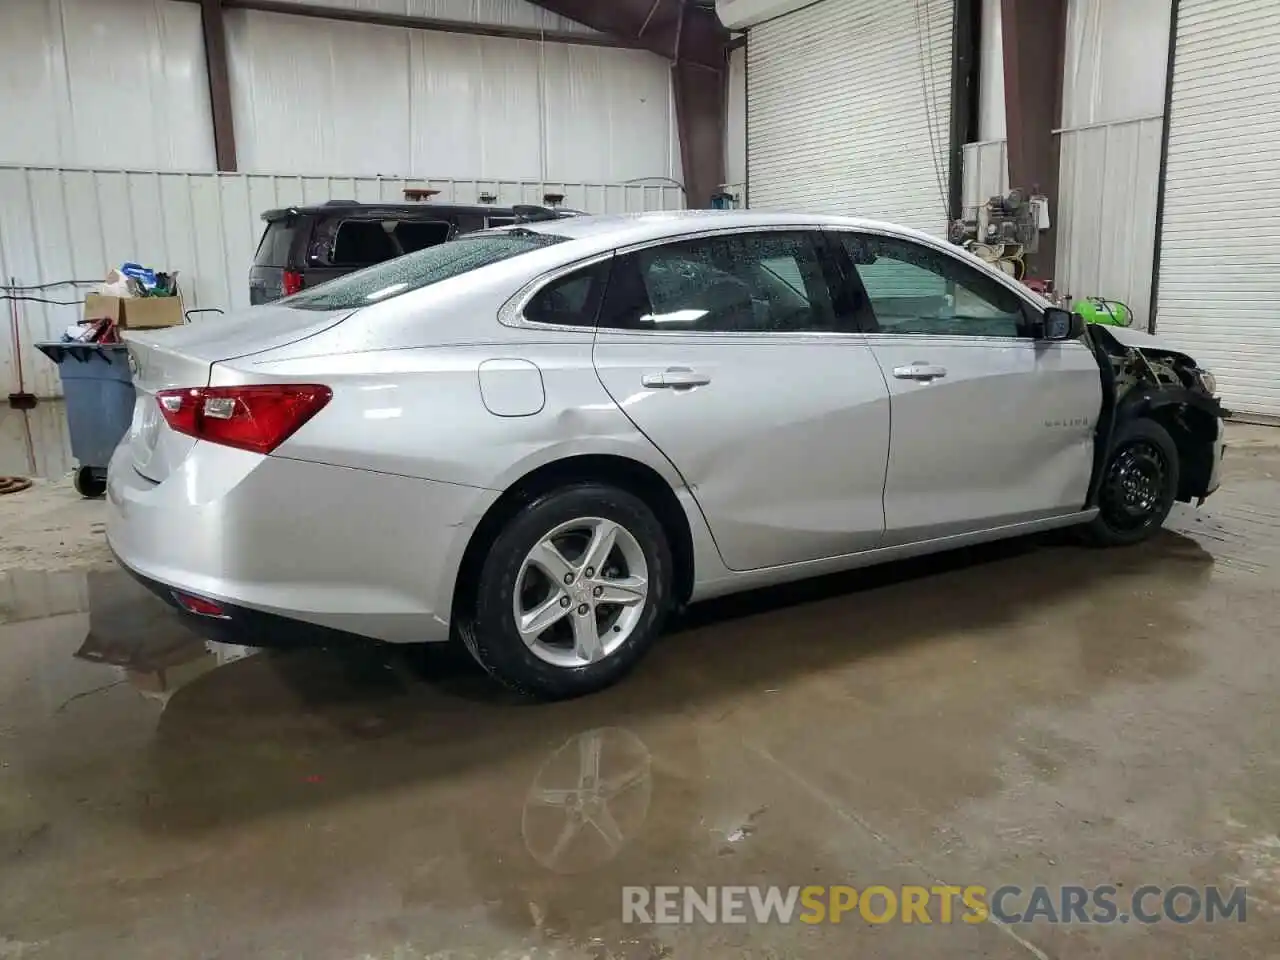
(920, 371)
(675, 378)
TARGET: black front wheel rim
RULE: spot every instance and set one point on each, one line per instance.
(1134, 491)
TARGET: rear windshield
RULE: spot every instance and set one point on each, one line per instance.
(273, 249)
(417, 270)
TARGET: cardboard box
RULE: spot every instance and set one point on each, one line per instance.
(98, 307)
(149, 313)
(135, 313)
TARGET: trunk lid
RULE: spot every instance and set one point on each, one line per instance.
(183, 357)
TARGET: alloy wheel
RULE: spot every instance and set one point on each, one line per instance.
(581, 591)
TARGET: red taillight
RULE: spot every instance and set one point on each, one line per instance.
(257, 418)
(201, 606)
(292, 282)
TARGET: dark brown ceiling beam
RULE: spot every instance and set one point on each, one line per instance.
(428, 23)
(653, 27)
(215, 61)
(1034, 40)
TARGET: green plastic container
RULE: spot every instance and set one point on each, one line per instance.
(1113, 313)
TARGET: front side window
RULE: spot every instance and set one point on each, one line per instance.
(916, 289)
(735, 283)
(417, 270)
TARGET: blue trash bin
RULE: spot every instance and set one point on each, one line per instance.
(99, 394)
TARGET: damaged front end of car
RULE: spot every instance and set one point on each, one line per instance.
(1143, 378)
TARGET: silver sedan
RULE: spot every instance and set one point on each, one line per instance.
(542, 439)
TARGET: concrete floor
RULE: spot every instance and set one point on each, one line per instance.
(1030, 712)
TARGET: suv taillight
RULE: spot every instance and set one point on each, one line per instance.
(292, 282)
(257, 418)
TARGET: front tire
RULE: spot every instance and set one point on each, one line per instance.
(573, 592)
(1139, 485)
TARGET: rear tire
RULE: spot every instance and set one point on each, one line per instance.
(1139, 485)
(571, 619)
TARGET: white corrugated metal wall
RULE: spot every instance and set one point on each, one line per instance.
(60, 224)
(316, 96)
(90, 89)
(848, 110)
(113, 83)
(1220, 250)
(122, 83)
(1112, 113)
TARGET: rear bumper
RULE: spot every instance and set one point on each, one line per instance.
(244, 625)
(347, 550)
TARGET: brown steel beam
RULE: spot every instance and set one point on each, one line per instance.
(700, 119)
(215, 61)
(1034, 39)
(430, 23)
(653, 26)
(965, 70)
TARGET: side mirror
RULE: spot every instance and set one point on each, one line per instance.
(1061, 324)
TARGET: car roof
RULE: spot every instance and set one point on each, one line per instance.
(630, 228)
(423, 208)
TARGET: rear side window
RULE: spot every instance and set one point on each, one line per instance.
(573, 300)
(360, 243)
(733, 283)
(273, 248)
(421, 269)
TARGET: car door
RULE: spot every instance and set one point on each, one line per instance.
(731, 353)
(991, 425)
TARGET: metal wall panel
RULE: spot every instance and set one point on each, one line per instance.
(848, 106)
(991, 113)
(986, 174)
(1106, 211)
(104, 82)
(1220, 250)
(314, 96)
(1107, 187)
(1109, 140)
(608, 114)
(502, 13)
(1115, 60)
(73, 224)
(735, 139)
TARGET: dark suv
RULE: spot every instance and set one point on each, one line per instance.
(303, 246)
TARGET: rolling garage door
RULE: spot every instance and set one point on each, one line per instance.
(1219, 293)
(848, 109)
